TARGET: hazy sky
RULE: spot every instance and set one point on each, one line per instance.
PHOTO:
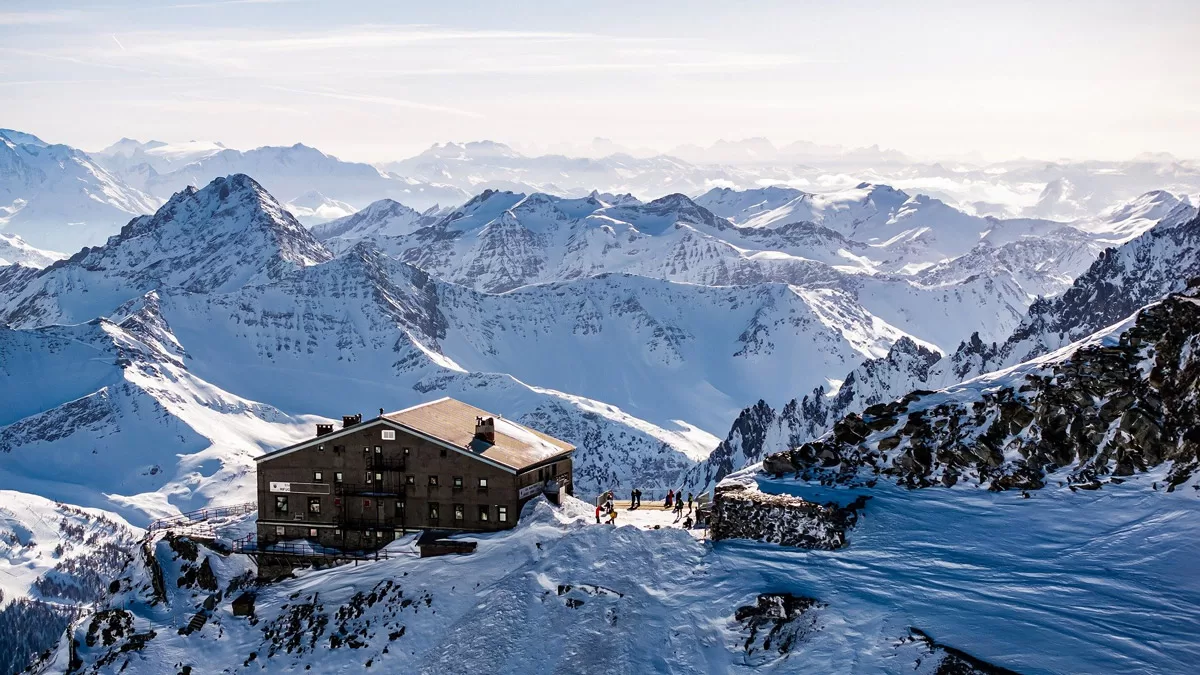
(382, 80)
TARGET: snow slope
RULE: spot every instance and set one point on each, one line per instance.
(312, 208)
(14, 251)
(1024, 584)
(56, 197)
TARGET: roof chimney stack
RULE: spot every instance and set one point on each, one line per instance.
(323, 429)
(351, 420)
(485, 429)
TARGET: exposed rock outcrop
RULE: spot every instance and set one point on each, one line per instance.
(777, 625)
(743, 512)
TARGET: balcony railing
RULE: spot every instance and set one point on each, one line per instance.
(375, 488)
(380, 462)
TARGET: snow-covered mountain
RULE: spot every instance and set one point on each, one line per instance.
(313, 208)
(487, 165)
(217, 238)
(1115, 286)
(221, 305)
(139, 164)
(15, 251)
(378, 221)
(57, 198)
(295, 171)
(503, 240)
(143, 376)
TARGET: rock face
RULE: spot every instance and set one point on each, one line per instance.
(776, 625)
(930, 656)
(760, 428)
(1119, 402)
(742, 512)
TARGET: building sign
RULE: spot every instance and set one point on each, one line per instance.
(529, 491)
(300, 488)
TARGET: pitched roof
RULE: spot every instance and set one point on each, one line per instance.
(452, 421)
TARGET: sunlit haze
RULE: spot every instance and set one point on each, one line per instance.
(383, 80)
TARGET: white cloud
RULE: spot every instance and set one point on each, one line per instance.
(31, 18)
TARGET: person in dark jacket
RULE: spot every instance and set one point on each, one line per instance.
(670, 498)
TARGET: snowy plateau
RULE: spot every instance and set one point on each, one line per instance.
(992, 367)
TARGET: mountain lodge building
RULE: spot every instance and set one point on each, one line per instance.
(441, 465)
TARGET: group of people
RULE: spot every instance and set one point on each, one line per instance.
(675, 501)
(606, 508)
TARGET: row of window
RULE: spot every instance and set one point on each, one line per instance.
(457, 481)
(460, 510)
(281, 531)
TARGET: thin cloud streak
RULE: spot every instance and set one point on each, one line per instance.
(33, 18)
(381, 100)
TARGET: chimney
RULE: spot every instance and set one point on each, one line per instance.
(351, 420)
(485, 429)
(323, 429)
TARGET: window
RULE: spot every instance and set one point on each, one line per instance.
(389, 435)
(314, 505)
(366, 503)
(483, 513)
(503, 513)
(368, 476)
(337, 477)
(460, 512)
(317, 476)
(279, 530)
(379, 449)
(321, 448)
(410, 480)
(337, 531)
(483, 483)
(443, 452)
(407, 450)
(378, 477)
(433, 481)
(399, 512)
(367, 449)
(281, 504)
(433, 511)
(458, 482)
(312, 531)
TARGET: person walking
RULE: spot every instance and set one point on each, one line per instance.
(597, 514)
(689, 502)
(670, 498)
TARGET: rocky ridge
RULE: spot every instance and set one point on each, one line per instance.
(1119, 402)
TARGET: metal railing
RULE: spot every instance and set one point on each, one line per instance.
(387, 463)
(193, 517)
(378, 488)
(249, 545)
